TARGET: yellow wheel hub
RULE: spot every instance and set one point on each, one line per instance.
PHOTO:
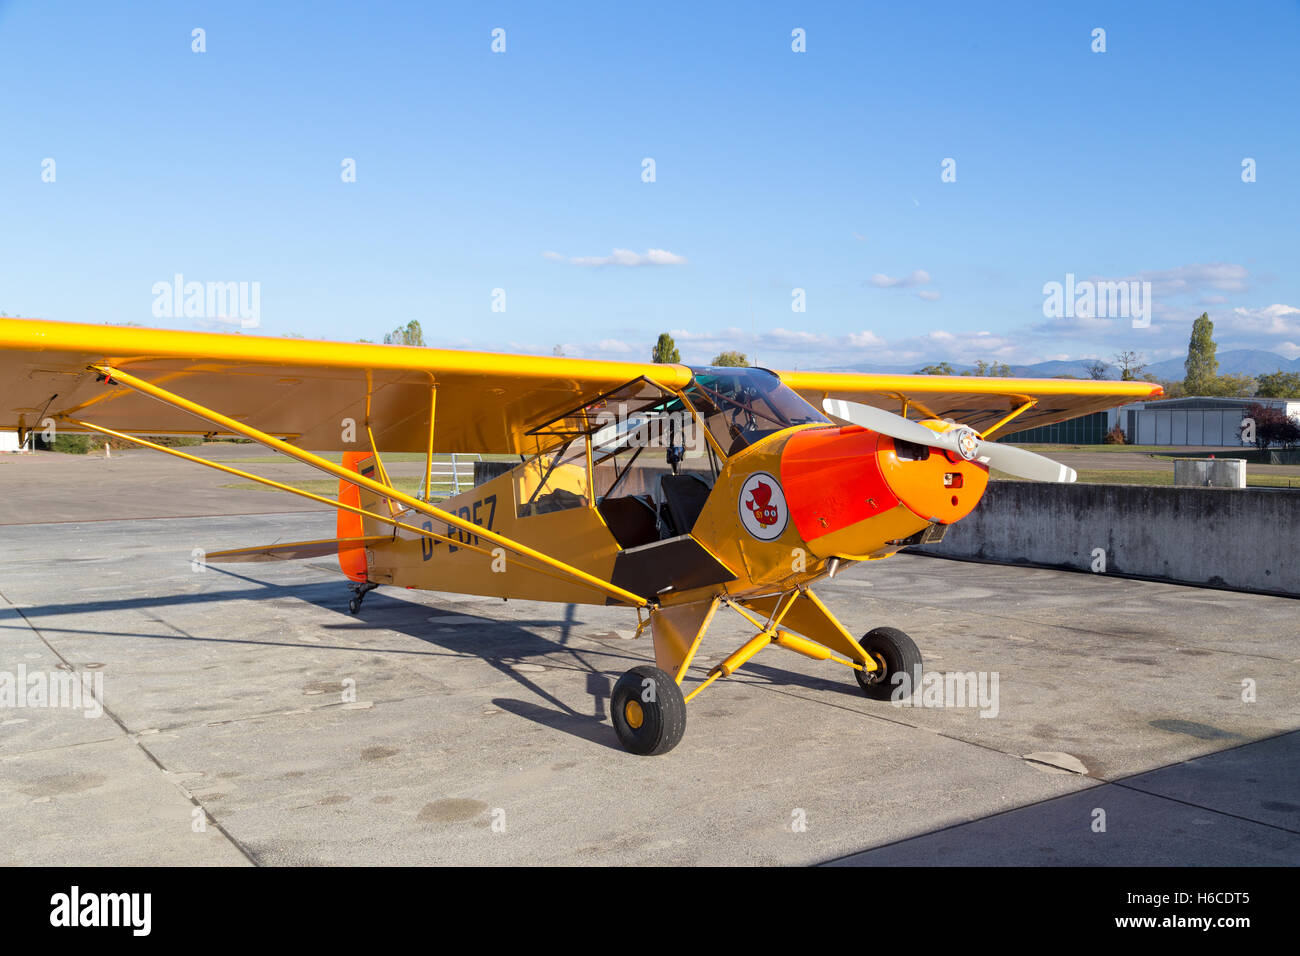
(633, 714)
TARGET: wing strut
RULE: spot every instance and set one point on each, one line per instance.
(278, 486)
(338, 471)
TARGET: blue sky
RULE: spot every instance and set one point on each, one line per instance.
(774, 171)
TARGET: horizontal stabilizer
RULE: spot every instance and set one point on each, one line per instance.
(291, 550)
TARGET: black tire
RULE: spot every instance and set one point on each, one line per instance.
(658, 705)
(354, 605)
(899, 655)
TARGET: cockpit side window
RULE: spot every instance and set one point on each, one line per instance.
(742, 405)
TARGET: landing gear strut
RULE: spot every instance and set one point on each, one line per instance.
(359, 592)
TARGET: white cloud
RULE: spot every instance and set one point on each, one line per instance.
(1191, 279)
(865, 339)
(882, 281)
(728, 334)
(929, 295)
(795, 338)
(1277, 319)
(623, 257)
(1223, 276)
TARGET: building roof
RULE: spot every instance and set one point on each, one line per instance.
(1211, 402)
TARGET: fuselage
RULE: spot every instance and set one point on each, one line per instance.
(736, 507)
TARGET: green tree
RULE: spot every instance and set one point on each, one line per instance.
(411, 335)
(730, 359)
(1201, 365)
(1230, 386)
(985, 369)
(1279, 385)
(943, 368)
(1096, 370)
(665, 352)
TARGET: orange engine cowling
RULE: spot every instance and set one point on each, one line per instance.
(851, 491)
(352, 559)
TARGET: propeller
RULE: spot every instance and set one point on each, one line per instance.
(962, 439)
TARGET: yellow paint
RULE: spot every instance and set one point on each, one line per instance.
(633, 714)
(1010, 416)
(766, 564)
(980, 402)
(296, 387)
(810, 618)
(678, 631)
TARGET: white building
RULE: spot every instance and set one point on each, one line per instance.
(1197, 420)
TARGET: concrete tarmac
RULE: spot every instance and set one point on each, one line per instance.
(249, 719)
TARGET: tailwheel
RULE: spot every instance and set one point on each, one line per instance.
(648, 711)
(359, 592)
(894, 653)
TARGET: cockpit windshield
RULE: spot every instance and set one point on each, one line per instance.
(741, 405)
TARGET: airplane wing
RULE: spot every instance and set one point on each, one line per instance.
(298, 390)
(979, 402)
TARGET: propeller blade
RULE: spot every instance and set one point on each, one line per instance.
(879, 420)
(1008, 458)
(1024, 464)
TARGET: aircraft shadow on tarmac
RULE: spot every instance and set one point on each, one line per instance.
(507, 645)
(512, 643)
(1232, 807)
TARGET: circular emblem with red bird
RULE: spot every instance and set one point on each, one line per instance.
(763, 511)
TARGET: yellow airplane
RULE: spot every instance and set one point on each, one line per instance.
(676, 491)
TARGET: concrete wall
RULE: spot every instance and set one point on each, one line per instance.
(1247, 539)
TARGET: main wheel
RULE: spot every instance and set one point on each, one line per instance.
(648, 711)
(895, 653)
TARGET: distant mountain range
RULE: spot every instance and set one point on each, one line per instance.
(1232, 362)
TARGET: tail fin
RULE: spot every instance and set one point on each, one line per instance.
(352, 559)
